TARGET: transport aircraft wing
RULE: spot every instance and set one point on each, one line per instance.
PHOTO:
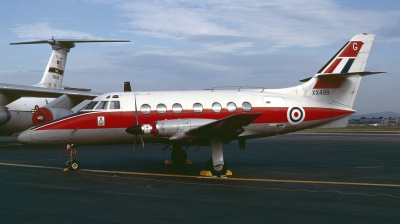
(225, 126)
(18, 91)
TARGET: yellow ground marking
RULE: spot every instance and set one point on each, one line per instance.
(225, 179)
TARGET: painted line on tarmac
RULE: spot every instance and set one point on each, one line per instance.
(29, 166)
(227, 179)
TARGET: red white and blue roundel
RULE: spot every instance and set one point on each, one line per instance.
(295, 115)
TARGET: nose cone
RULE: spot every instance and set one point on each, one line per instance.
(25, 137)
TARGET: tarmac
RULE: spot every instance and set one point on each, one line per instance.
(294, 178)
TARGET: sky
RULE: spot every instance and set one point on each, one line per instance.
(194, 45)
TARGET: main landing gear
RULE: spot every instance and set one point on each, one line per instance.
(72, 165)
(178, 156)
(216, 166)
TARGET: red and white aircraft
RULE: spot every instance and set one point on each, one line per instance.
(213, 117)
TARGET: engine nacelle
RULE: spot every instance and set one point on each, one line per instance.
(5, 115)
(43, 115)
(169, 128)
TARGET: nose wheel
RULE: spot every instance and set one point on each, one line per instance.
(72, 164)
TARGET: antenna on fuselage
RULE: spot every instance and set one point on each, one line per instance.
(127, 87)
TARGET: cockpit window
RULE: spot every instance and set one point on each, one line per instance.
(102, 105)
(91, 105)
(115, 105)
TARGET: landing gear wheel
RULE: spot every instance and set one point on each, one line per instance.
(178, 156)
(218, 170)
(74, 166)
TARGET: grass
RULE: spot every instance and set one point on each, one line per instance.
(355, 129)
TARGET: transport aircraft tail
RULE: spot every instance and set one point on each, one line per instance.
(54, 72)
(338, 80)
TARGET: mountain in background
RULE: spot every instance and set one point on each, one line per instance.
(385, 114)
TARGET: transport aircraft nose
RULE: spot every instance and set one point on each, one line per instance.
(25, 137)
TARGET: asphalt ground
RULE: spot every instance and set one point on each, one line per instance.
(296, 178)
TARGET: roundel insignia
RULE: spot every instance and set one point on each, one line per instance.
(295, 115)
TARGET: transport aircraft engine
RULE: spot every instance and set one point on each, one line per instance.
(169, 128)
(43, 115)
(5, 115)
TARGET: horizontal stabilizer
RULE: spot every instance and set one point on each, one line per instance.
(67, 43)
(343, 75)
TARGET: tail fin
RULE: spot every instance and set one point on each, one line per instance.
(54, 72)
(352, 57)
(53, 75)
(338, 80)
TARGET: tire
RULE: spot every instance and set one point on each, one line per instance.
(74, 166)
(210, 167)
(178, 156)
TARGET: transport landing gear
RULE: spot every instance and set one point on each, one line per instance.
(178, 156)
(216, 166)
(72, 165)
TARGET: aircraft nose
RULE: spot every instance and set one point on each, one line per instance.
(25, 137)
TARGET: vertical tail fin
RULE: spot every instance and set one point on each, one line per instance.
(54, 72)
(338, 80)
(53, 75)
(352, 57)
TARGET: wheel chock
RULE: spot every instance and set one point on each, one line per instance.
(188, 162)
(168, 162)
(205, 173)
(65, 170)
(228, 173)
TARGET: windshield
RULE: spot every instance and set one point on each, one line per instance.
(91, 105)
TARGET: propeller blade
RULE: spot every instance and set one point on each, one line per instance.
(136, 113)
(134, 144)
(141, 139)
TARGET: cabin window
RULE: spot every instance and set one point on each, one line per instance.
(231, 107)
(115, 105)
(145, 109)
(115, 96)
(197, 107)
(246, 106)
(177, 108)
(102, 105)
(216, 107)
(91, 105)
(161, 108)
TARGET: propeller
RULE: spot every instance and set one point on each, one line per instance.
(135, 129)
(137, 125)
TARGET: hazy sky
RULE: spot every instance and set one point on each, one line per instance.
(184, 45)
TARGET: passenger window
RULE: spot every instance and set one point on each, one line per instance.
(102, 105)
(145, 109)
(161, 108)
(231, 107)
(216, 107)
(91, 105)
(246, 106)
(115, 105)
(177, 108)
(197, 107)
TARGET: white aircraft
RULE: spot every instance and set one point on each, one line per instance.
(22, 107)
(213, 117)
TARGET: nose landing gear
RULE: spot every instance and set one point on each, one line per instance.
(72, 165)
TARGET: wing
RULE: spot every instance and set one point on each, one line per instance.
(228, 127)
(11, 93)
